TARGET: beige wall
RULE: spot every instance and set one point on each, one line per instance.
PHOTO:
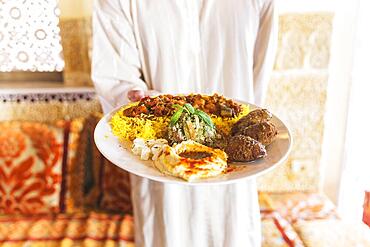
(75, 25)
(297, 93)
(75, 8)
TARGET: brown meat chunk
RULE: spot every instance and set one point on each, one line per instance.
(254, 117)
(264, 132)
(221, 140)
(226, 111)
(244, 148)
(216, 105)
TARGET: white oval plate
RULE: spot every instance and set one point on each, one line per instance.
(121, 156)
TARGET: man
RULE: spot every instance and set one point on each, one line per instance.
(186, 46)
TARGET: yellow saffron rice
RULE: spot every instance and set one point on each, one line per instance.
(151, 127)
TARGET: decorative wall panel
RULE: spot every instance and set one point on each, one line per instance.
(29, 36)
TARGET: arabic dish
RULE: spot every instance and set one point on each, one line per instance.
(194, 136)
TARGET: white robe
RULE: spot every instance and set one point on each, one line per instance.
(187, 46)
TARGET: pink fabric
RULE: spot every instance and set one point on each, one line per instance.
(366, 215)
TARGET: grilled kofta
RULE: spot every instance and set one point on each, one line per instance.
(256, 125)
(264, 132)
(254, 117)
(244, 148)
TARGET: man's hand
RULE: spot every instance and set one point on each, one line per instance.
(135, 95)
(138, 94)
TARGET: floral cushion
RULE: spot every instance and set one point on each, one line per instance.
(277, 231)
(111, 183)
(31, 163)
(84, 167)
(307, 219)
(333, 232)
(302, 206)
(31, 154)
(366, 214)
(74, 197)
(79, 229)
(264, 202)
(81, 184)
(116, 194)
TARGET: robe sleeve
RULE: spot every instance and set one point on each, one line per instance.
(264, 50)
(116, 66)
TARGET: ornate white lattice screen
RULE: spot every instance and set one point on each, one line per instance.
(30, 36)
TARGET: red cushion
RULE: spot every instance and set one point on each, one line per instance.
(116, 189)
(366, 214)
(79, 229)
(31, 157)
(302, 206)
(277, 231)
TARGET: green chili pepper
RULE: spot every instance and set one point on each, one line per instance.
(191, 111)
(205, 118)
(176, 116)
(189, 108)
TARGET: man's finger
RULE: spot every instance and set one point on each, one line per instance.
(151, 93)
(135, 95)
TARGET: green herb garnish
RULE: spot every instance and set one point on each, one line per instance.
(191, 111)
(205, 117)
(176, 116)
(189, 108)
